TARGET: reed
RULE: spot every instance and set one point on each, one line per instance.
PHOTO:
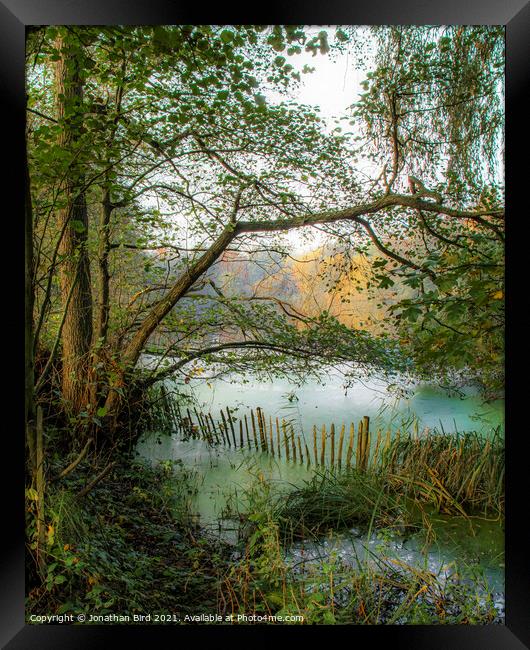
(330, 500)
(455, 472)
(377, 447)
(323, 447)
(315, 447)
(293, 445)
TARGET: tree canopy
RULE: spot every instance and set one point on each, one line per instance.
(158, 156)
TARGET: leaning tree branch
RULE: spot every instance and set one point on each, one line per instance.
(187, 279)
(196, 354)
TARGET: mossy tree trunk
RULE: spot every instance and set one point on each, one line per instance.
(72, 223)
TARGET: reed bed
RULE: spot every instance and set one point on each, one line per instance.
(462, 472)
(375, 589)
(330, 500)
(459, 473)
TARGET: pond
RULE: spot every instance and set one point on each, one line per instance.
(222, 474)
(316, 403)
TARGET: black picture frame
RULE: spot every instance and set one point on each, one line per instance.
(15, 16)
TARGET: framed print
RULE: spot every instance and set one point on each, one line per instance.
(264, 323)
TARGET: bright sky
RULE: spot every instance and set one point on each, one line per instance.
(333, 86)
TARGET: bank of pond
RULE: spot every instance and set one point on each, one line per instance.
(239, 515)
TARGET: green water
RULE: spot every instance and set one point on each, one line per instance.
(223, 474)
(318, 404)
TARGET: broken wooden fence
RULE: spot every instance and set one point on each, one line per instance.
(254, 431)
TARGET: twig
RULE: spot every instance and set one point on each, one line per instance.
(74, 463)
(96, 480)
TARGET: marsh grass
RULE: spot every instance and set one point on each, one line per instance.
(461, 473)
(372, 590)
(416, 477)
(336, 501)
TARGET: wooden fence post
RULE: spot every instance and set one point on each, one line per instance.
(366, 442)
(286, 442)
(39, 479)
(247, 432)
(332, 436)
(350, 446)
(231, 426)
(278, 440)
(341, 441)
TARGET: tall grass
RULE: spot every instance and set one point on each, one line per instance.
(336, 501)
(459, 473)
(374, 591)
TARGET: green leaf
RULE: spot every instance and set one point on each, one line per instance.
(227, 36)
(77, 225)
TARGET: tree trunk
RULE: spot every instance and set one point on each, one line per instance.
(29, 404)
(103, 305)
(157, 314)
(73, 218)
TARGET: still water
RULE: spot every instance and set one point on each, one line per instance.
(316, 403)
(222, 475)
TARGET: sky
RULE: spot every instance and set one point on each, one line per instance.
(333, 87)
